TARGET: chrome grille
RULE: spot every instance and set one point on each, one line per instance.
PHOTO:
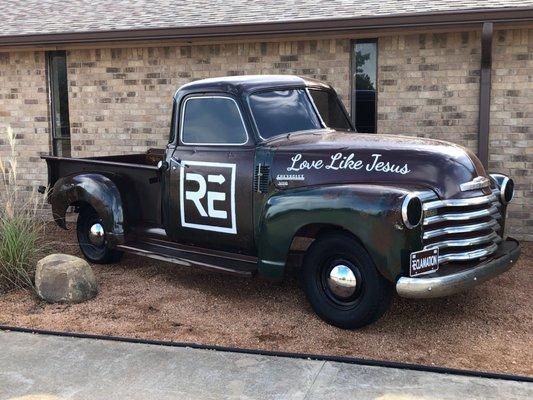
(462, 229)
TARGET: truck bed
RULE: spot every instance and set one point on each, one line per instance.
(136, 173)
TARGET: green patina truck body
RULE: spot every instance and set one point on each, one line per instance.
(260, 170)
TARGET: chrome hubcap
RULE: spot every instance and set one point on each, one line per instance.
(97, 234)
(342, 281)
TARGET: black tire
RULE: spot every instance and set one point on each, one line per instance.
(98, 254)
(371, 296)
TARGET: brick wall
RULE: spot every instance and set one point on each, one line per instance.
(120, 99)
(24, 107)
(428, 85)
(511, 128)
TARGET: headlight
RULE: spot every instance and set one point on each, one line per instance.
(506, 186)
(412, 212)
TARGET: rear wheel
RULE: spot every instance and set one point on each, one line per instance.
(92, 238)
(342, 284)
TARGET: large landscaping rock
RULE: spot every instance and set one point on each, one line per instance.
(64, 278)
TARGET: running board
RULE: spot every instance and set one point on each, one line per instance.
(191, 256)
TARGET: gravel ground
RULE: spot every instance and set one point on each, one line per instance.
(490, 328)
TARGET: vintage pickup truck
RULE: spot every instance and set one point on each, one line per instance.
(255, 162)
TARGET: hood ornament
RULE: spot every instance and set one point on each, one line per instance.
(478, 182)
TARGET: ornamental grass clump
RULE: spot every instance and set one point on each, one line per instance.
(21, 224)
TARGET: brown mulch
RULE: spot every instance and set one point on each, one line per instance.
(490, 328)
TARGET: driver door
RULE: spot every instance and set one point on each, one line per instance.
(211, 176)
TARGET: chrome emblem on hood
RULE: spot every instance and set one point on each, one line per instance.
(478, 182)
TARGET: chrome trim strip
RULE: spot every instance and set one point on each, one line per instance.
(462, 242)
(455, 282)
(461, 229)
(461, 216)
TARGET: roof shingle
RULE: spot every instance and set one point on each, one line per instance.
(24, 17)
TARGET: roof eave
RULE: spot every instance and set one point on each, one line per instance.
(454, 18)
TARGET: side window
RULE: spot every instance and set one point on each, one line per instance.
(330, 109)
(214, 120)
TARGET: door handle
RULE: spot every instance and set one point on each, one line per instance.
(162, 166)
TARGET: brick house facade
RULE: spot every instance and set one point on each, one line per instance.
(427, 85)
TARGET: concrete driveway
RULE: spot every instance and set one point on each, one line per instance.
(40, 367)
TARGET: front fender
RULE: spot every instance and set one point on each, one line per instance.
(99, 192)
(372, 213)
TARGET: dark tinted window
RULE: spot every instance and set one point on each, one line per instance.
(278, 112)
(57, 75)
(212, 120)
(364, 67)
(330, 109)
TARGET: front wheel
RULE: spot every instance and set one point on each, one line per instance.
(342, 284)
(92, 238)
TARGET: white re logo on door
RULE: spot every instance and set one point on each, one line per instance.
(216, 216)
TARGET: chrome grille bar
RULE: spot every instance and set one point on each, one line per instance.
(461, 229)
(474, 201)
(491, 237)
(469, 255)
(465, 216)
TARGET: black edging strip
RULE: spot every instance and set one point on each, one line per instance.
(317, 357)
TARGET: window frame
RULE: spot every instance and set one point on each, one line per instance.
(353, 115)
(275, 89)
(210, 96)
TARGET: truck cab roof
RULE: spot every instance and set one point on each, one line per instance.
(246, 84)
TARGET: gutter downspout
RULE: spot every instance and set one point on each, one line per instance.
(484, 93)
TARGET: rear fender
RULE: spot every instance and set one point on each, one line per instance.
(99, 192)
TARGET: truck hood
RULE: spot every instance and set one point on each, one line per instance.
(332, 157)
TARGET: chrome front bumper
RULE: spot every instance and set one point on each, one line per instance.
(450, 280)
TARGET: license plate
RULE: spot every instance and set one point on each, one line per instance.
(424, 262)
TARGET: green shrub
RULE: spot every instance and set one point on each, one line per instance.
(21, 225)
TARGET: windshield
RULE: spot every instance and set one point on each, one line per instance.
(277, 112)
